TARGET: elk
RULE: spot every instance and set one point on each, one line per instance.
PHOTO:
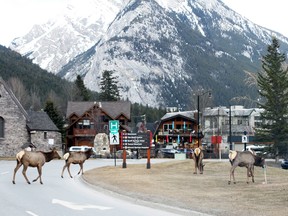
(76, 158)
(33, 159)
(244, 159)
(198, 156)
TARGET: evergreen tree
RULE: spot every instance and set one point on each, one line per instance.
(273, 86)
(109, 88)
(53, 113)
(82, 92)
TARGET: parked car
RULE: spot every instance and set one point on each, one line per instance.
(167, 153)
(129, 154)
(284, 164)
(82, 149)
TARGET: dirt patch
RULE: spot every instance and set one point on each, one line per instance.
(174, 184)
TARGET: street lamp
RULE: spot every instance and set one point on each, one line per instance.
(198, 113)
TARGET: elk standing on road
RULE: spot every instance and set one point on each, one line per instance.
(76, 158)
(33, 159)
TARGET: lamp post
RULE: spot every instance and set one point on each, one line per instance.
(198, 113)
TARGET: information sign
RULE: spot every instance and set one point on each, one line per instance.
(136, 140)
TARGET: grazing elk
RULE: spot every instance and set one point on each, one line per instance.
(76, 158)
(198, 156)
(33, 159)
(244, 159)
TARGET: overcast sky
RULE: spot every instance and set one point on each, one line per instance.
(18, 16)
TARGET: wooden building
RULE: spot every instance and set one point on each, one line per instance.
(87, 118)
(178, 128)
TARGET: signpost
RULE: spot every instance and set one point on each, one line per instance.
(137, 141)
(114, 135)
(244, 140)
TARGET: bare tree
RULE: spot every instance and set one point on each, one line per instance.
(35, 101)
(19, 91)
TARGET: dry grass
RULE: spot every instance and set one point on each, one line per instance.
(174, 184)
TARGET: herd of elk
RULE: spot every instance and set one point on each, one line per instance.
(39, 158)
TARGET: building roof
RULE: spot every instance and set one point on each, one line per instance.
(235, 111)
(185, 114)
(114, 108)
(40, 121)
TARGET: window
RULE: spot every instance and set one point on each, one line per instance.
(1, 127)
(45, 134)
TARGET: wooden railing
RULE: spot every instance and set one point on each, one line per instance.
(84, 132)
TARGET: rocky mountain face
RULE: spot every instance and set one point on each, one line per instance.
(162, 51)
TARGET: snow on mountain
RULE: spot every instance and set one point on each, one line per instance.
(160, 50)
(56, 42)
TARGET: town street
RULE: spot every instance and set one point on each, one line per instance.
(66, 196)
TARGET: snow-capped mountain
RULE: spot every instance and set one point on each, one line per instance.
(161, 50)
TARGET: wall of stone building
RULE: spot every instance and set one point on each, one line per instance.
(15, 132)
(53, 139)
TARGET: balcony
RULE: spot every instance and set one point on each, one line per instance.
(87, 132)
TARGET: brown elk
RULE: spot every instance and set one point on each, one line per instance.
(198, 156)
(244, 159)
(76, 158)
(33, 159)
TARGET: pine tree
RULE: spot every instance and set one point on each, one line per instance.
(109, 88)
(53, 113)
(83, 93)
(273, 85)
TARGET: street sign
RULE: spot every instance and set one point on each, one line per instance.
(244, 139)
(114, 138)
(114, 126)
(136, 140)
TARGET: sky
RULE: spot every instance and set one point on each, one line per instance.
(18, 16)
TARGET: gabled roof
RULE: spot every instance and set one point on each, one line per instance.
(113, 109)
(40, 121)
(187, 114)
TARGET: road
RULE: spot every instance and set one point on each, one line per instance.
(67, 196)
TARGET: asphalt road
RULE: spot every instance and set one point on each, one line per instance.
(61, 197)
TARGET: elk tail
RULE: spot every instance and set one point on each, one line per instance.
(232, 155)
(66, 155)
(19, 155)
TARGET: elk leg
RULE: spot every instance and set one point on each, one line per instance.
(232, 174)
(19, 164)
(252, 173)
(201, 168)
(196, 165)
(63, 170)
(68, 168)
(24, 173)
(39, 168)
(81, 168)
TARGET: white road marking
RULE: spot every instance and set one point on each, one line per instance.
(4, 173)
(75, 206)
(31, 213)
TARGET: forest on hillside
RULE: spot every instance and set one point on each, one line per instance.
(34, 86)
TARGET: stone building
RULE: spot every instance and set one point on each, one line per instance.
(17, 127)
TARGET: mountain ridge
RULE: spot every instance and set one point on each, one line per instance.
(165, 51)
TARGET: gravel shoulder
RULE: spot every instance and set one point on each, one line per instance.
(173, 184)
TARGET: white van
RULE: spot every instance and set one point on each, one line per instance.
(255, 148)
(80, 148)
